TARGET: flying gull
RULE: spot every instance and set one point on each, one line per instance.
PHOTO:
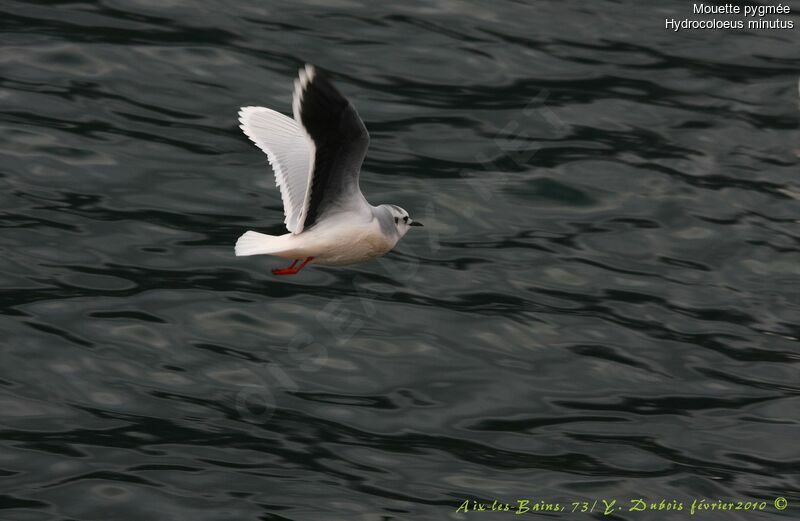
(317, 159)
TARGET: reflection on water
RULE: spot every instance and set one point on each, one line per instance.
(603, 302)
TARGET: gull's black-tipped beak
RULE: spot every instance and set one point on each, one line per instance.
(415, 223)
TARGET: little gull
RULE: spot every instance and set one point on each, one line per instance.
(317, 158)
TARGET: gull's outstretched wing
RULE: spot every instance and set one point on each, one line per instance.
(317, 155)
(290, 153)
(340, 142)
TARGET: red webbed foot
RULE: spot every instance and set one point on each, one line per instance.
(291, 270)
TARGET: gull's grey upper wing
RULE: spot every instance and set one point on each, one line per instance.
(340, 142)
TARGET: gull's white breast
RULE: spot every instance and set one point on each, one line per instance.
(340, 239)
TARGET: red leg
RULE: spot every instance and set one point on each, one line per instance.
(291, 270)
(308, 259)
(285, 271)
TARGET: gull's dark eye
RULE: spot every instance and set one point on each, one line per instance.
(405, 219)
(396, 220)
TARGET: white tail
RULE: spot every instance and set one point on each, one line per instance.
(254, 243)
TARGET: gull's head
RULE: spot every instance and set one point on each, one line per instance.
(401, 220)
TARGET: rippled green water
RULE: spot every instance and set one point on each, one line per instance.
(603, 303)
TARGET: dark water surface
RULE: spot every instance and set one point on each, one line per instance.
(604, 302)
